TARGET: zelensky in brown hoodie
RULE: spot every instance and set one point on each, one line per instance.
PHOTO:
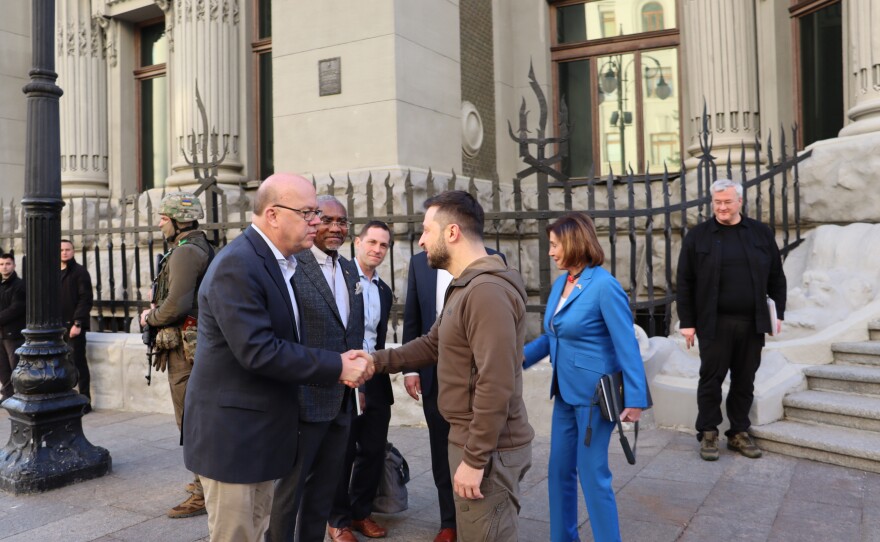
(477, 344)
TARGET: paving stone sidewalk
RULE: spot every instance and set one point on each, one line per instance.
(670, 494)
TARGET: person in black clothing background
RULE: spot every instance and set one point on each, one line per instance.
(12, 321)
(728, 267)
(76, 304)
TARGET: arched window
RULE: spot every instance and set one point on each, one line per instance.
(652, 17)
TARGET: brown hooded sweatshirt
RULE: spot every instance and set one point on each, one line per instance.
(477, 343)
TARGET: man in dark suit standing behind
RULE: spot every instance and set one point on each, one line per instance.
(12, 321)
(353, 505)
(426, 288)
(333, 315)
(76, 305)
(241, 424)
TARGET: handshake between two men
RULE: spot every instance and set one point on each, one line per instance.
(357, 368)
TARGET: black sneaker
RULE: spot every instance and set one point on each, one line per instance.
(742, 442)
(709, 446)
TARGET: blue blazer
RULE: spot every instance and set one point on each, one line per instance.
(590, 336)
(241, 415)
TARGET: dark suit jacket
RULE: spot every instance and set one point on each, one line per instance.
(378, 388)
(420, 308)
(325, 329)
(241, 410)
(76, 295)
(13, 307)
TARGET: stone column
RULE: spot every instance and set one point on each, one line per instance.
(863, 71)
(720, 56)
(205, 44)
(82, 72)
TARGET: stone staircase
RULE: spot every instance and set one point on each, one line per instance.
(837, 419)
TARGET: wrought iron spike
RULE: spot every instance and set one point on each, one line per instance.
(389, 195)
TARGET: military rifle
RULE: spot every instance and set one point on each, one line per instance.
(149, 338)
(148, 334)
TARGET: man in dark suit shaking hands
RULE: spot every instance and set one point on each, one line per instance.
(241, 424)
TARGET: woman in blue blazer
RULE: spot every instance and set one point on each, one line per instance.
(588, 332)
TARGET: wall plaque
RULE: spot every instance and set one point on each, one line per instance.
(330, 76)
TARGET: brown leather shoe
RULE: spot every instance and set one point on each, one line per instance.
(446, 535)
(369, 528)
(194, 505)
(342, 534)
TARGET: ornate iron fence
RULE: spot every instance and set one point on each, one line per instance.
(641, 220)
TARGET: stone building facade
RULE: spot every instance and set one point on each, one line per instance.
(387, 86)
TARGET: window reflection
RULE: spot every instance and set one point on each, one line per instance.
(610, 18)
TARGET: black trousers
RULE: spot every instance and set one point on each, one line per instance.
(735, 348)
(438, 433)
(364, 465)
(77, 347)
(8, 362)
(303, 498)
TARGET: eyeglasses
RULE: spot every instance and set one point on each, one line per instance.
(341, 222)
(307, 214)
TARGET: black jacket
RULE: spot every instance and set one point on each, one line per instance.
(699, 275)
(12, 307)
(76, 295)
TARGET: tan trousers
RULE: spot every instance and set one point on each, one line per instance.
(238, 512)
(495, 516)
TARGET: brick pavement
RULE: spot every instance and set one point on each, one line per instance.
(669, 495)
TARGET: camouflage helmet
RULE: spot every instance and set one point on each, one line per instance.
(182, 207)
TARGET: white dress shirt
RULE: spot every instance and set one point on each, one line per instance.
(444, 279)
(288, 268)
(335, 280)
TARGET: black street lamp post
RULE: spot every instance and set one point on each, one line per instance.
(46, 448)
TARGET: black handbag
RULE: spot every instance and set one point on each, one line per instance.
(609, 396)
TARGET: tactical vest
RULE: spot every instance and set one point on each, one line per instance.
(163, 279)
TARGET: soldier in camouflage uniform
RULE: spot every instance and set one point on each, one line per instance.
(174, 312)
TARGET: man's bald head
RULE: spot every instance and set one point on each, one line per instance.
(280, 208)
(276, 187)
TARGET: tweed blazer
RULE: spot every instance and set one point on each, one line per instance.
(323, 328)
